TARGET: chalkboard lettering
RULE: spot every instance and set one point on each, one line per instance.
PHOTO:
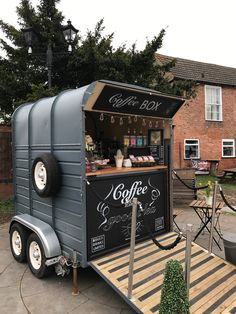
(113, 222)
(127, 195)
(120, 100)
(108, 223)
(150, 105)
(124, 196)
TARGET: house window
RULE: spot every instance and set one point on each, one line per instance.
(228, 149)
(213, 103)
(191, 149)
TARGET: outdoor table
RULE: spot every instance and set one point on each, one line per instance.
(204, 213)
(228, 174)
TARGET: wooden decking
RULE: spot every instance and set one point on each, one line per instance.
(213, 280)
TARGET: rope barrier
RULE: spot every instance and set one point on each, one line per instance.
(102, 199)
(154, 240)
(189, 187)
(225, 200)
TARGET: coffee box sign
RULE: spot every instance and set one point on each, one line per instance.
(109, 209)
(114, 99)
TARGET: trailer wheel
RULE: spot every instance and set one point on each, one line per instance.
(46, 175)
(18, 239)
(36, 257)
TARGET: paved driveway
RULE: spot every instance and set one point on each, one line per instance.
(22, 293)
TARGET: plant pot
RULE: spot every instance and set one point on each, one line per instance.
(209, 200)
(229, 240)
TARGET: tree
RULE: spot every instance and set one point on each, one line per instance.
(174, 299)
(94, 57)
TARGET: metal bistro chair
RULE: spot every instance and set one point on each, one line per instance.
(175, 214)
(204, 213)
(217, 221)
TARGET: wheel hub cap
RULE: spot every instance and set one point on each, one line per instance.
(35, 255)
(16, 242)
(40, 175)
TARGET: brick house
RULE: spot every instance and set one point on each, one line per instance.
(6, 189)
(205, 128)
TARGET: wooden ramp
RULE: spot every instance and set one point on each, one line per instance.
(213, 280)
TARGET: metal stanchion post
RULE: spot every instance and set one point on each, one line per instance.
(213, 217)
(132, 246)
(188, 256)
(75, 290)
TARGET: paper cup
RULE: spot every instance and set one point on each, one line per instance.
(119, 161)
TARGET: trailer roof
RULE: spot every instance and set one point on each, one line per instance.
(99, 96)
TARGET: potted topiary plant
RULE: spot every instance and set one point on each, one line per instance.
(174, 298)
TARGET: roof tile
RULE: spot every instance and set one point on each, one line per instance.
(200, 71)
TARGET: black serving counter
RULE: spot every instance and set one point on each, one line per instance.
(109, 211)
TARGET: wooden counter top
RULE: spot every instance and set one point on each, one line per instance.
(114, 170)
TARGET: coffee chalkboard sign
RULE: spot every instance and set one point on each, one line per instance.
(120, 100)
(109, 211)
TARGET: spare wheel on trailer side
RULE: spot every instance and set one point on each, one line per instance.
(46, 175)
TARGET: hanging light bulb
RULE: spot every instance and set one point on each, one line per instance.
(128, 130)
(150, 124)
(144, 122)
(112, 119)
(121, 121)
(129, 120)
(135, 118)
(134, 131)
(101, 118)
(156, 124)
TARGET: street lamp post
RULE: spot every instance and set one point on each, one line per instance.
(49, 57)
(69, 32)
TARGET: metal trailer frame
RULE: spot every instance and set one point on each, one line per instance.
(56, 125)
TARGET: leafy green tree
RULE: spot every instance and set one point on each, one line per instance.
(93, 57)
(96, 58)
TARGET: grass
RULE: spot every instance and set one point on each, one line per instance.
(6, 206)
(226, 186)
(6, 210)
(230, 214)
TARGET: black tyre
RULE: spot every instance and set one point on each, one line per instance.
(36, 257)
(46, 175)
(18, 240)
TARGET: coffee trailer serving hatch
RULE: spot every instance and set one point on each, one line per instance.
(64, 213)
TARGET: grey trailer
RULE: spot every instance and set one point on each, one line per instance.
(65, 213)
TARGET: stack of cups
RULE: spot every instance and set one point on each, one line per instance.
(119, 159)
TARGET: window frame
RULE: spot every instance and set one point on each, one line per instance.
(198, 144)
(220, 105)
(222, 147)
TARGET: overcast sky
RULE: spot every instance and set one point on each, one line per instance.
(201, 30)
